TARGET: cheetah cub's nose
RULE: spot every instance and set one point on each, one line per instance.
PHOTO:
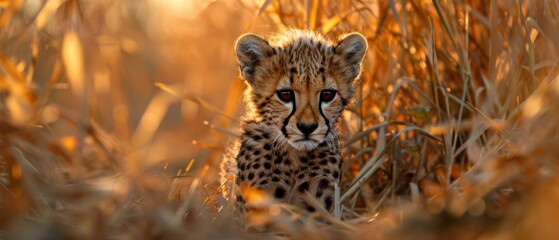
(307, 128)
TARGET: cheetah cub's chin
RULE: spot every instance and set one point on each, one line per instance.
(298, 85)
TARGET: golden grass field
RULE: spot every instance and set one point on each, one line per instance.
(114, 116)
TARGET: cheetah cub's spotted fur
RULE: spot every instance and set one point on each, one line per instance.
(298, 85)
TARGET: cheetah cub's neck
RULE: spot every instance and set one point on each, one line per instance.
(298, 85)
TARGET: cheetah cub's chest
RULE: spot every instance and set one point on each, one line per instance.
(298, 85)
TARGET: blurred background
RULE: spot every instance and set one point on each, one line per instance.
(114, 116)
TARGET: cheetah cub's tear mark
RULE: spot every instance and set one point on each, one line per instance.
(298, 85)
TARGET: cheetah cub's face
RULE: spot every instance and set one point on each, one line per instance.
(300, 82)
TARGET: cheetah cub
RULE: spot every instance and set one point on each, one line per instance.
(298, 85)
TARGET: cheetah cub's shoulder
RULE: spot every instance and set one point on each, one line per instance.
(298, 85)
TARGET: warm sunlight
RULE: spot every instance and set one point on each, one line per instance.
(274, 119)
(183, 8)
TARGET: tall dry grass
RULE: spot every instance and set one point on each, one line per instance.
(114, 116)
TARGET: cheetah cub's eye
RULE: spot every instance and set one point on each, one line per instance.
(285, 95)
(327, 95)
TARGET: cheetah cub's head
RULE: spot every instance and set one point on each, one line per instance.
(299, 82)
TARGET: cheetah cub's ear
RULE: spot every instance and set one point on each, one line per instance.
(251, 50)
(351, 49)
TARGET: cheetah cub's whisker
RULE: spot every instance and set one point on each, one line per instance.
(298, 85)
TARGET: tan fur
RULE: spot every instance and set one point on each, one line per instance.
(273, 153)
